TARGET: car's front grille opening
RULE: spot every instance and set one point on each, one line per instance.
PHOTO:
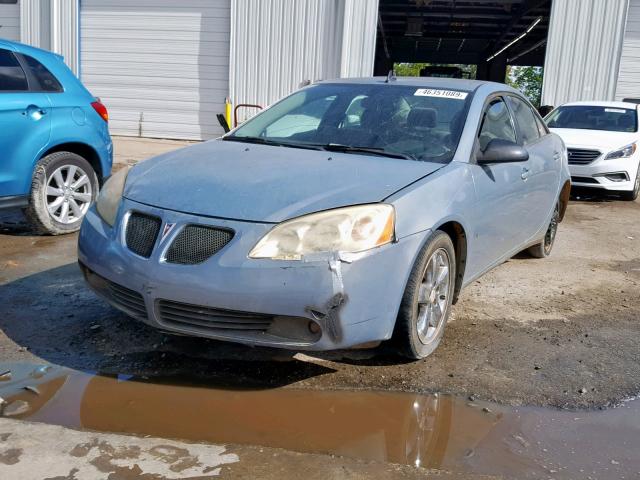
(128, 300)
(179, 314)
(581, 156)
(142, 231)
(197, 243)
(583, 180)
(123, 298)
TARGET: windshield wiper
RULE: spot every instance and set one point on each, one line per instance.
(338, 147)
(266, 141)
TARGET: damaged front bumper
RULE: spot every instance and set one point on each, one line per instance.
(320, 303)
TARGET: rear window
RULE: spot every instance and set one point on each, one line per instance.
(12, 77)
(46, 80)
(586, 117)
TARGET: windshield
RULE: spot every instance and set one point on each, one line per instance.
(586, 117)
(405, 122)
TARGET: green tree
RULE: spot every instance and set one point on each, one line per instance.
(528, 80)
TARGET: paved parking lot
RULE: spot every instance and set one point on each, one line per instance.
(560, 332)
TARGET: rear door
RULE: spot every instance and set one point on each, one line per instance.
(500, 214)
(25, 124)
(543, 176)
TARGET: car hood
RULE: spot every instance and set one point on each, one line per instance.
(598, 139)
(266, 183)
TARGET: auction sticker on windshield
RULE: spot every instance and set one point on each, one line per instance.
(431, 92)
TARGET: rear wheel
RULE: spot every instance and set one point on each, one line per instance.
(633, 194)
(426, 303)
(63, 187)
(543, 249)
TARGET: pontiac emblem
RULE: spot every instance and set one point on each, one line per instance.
(167, 230)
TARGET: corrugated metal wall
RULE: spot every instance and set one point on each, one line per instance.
(629, 75)
(583, 50)
(52, 25)
(277, 44)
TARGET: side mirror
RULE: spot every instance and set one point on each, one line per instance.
(502, 151)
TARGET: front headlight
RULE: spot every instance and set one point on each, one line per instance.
(110, 196)
(347, 230)
(624, 152)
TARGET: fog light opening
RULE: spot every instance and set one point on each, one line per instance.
(314, 328)
(617, 177)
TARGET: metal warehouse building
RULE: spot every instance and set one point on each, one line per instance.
(164, 67)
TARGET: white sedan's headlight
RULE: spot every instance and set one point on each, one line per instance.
(110, 196)
(348, 230)
(624, 152)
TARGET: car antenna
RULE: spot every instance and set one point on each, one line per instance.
(391, 76)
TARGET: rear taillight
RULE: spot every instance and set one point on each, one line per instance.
(102, 110)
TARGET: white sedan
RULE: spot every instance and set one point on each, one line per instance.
(602, 143)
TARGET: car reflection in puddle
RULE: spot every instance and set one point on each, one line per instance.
(430, 431)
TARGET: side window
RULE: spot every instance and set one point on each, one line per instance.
(526, 120)
(496, 123)
(12, 77)
(48, 82)
(542, 128)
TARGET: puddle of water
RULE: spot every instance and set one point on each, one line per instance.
(433, 431)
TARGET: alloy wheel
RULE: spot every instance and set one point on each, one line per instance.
(433, 297)
(68, 194)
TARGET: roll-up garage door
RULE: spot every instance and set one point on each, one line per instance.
(10, 20)
(629, 73)
(160, 66)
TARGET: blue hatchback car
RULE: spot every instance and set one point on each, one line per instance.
(54, 139)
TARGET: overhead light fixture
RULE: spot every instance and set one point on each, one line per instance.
(516, 40)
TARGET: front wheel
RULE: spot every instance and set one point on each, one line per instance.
(63, 187)
(633, 194)
(426, 302)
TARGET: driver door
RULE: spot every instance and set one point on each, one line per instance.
(502, 194)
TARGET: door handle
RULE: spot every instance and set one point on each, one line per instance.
(557, 155)
(525, 173)
(35, 112)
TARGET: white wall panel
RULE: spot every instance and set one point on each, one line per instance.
(10, 22)
(277, 44)
(583, 50)
(160, 66)
(629, 73)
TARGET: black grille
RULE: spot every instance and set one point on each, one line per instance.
(142, 231)
(128, 300)
(579, 156)
(196, 243)
(184, 314)
(123, 298)
(584, 180)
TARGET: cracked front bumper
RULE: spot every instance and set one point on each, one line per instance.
(323, 304)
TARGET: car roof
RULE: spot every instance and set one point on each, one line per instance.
(27, 49)
(628, 105)
(428, 82)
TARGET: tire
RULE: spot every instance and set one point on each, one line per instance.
(633, 194)
(543, 249)
(420, 296)
(46, 212)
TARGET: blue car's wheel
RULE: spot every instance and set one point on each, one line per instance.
(63, 187)
(426, 303)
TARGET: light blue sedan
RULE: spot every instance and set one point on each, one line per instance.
(351, 211)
